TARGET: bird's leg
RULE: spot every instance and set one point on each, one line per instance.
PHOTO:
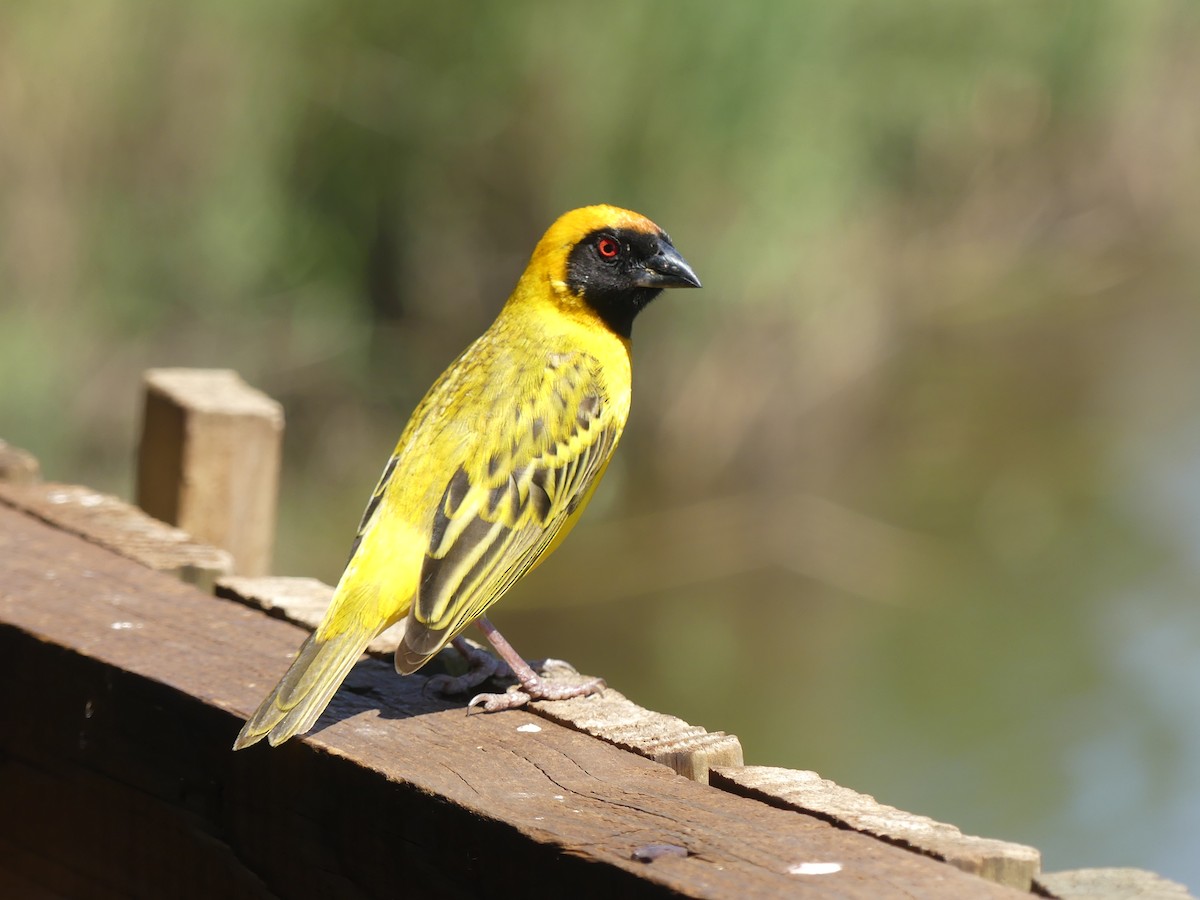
(481, 666)
(531, 685)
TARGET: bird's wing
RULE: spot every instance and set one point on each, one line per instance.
(373, 504)
(502, 510)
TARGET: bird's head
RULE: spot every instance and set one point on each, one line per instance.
(609, 262)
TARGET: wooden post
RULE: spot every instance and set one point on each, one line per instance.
(209, 460)
(18, 466)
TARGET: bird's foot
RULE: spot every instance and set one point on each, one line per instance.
(481, 666)
(535, 688)
(531, 686)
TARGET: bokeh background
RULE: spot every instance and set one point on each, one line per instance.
(911, 490)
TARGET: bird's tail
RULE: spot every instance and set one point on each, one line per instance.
(307, 687)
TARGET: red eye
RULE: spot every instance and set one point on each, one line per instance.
(608, 248)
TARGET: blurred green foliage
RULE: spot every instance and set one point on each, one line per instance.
(909, 491)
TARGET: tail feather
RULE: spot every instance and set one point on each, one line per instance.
(418, 645)
(307, 687)
(375, 590)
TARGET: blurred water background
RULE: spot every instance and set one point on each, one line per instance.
(911, 490)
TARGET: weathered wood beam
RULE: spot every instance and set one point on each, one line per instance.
(124, 690)
(208, 460)
(124, 529)
(1003, 862)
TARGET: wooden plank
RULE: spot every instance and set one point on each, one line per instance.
(688, 749)
(1110, 884)
(124, 529)
(18, 466)
(208, 460)
(131, 687)
(1003, 862)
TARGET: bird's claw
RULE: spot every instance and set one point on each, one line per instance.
(513, 698)
(545, 665)
(521, 694)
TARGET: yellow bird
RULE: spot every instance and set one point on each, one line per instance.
(494, 468)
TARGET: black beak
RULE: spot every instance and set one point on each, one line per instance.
(666, 269)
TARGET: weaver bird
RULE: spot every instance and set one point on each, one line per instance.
(494, 468)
